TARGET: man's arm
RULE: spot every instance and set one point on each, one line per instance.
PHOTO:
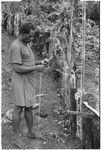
(43, 62)
(38, 63)
(21, 69)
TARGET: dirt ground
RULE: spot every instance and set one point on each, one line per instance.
(49, 127)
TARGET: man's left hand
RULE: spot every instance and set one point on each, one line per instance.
(45, 62)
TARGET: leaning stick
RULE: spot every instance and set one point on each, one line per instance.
(40, 87)
(92, 109)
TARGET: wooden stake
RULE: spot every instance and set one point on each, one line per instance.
(70, 49)
(79, 103)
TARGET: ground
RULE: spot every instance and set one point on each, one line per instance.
(47, 126)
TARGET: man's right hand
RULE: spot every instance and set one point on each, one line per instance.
(21, 69)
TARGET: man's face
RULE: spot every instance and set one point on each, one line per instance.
(26, 38)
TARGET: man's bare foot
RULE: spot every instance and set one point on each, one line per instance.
(36, 105)
(31, 135)
(18, 142)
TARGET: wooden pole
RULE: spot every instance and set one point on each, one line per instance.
(81, 114)
(83, 53)
(83, 60)
(71, 38)
(67, 98)
(69, 52)
(80, 101)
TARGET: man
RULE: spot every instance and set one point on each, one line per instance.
(24, 67)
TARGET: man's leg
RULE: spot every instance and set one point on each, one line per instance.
(29, 120)
(16, 120)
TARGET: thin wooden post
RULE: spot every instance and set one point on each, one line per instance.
(83, 52)
(67, 99)
(71, 38)
(80, 100)
(73, 108)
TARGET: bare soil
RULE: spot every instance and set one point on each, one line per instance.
(49, 129)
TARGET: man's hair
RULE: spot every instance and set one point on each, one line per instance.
(25, 28)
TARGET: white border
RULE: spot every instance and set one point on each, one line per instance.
(0, 75)
(90, 0)
(1, 59)
(10, 0)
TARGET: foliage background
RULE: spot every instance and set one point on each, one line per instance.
(54, 16)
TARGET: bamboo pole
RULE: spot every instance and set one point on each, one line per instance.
(71, 38)
(83, 57)
(83, 114)
(64, 82)
(83, 52)
(70, 49)
(79, 119)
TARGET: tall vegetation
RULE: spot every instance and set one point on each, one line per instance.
(63, 19)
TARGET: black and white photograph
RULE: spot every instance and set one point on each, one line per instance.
(50, 74)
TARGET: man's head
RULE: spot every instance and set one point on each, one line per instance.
(25, 32)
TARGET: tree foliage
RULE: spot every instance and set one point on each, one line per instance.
(55, 17)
